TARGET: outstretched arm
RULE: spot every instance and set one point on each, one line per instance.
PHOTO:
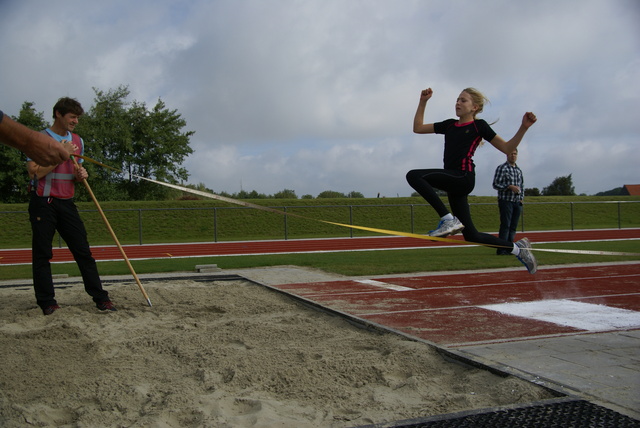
(38, 146)
(419, 127)
(507, 147)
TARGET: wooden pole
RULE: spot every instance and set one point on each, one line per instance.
(113, 235)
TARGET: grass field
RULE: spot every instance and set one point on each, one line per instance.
(359, 263)
(201, 221)
(209, 220)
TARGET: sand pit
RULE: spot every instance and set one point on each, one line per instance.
(220, 354)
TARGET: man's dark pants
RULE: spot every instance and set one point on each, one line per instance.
(509, 218)
(48, 215)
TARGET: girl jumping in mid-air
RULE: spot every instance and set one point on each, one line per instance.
(461, 139)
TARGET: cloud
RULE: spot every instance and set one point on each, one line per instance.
(315, 96)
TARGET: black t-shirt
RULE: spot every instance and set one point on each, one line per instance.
(461, 141)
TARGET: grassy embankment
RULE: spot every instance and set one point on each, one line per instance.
(209, 220)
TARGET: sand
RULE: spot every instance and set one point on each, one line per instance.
(220, 354)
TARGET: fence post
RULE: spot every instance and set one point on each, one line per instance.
(572, 219)
(619, 216)
(412, 220)
(215, 224)
(351, 220)
(286, 230)
(140, 225)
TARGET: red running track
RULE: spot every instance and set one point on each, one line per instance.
(160, 251)
(449, 308)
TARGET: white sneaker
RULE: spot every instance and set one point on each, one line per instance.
(526, 256)
(447, 227)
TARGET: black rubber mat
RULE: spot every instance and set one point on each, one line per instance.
(566, 414)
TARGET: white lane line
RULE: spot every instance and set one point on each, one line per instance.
(384, 285)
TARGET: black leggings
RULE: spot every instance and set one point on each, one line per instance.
(48, 215)
(458, 185)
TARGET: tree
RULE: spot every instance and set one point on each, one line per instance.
(138, 141)
(285, 194)
(107, 132)
(534, 191)
(331, 194)
(13, 174)
(561, 186)
(613, 192)
(354, 194)
(243, 194)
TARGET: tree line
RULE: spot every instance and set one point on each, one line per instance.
(561, 186)
(287, 194)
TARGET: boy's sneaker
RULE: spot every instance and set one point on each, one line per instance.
(106, 306)
(447, 227)
(50, 309)
(526, 256)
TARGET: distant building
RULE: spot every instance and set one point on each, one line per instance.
(632, 189)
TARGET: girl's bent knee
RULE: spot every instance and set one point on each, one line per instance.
(412, 176)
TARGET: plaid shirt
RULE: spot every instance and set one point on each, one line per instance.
(505, 176)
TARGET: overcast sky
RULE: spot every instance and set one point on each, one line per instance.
(320, 94)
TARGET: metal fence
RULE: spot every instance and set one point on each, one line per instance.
(535, 213)
(573, 206)
(206, 224)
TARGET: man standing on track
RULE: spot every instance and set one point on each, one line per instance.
(509, 182)
(52, 208)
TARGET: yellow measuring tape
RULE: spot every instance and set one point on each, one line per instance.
(351, 226)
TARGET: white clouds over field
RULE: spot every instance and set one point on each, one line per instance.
(320, 95)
